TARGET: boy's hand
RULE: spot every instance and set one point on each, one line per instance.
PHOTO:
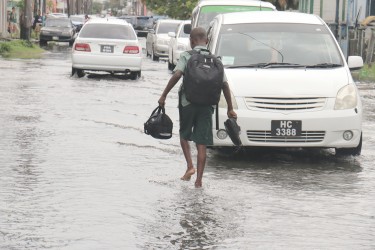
(232, 114)
(162, 101)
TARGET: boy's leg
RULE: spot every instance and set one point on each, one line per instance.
(201, 162)
(189, 162)
(186, 124)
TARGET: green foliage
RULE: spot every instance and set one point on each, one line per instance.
(20, 49)
(178, 9)
(4, 48)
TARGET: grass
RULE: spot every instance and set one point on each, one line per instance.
(20, 49)
(367, 73)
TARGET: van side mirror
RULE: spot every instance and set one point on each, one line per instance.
(355, 62)
(187, 28)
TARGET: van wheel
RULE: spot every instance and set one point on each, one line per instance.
(80, 73)
(170, 66)
(350, 151)
(135, 75)
(154, 58)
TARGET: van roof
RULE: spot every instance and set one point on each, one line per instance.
(270, 17)
(236, 2)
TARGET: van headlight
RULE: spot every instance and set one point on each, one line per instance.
(346, 98)
(223, 102)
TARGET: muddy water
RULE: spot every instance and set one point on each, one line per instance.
(77, 172)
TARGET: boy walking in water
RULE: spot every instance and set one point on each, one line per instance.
(195, 119)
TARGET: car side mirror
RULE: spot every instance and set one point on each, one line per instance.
(187, 28)
(355, 62)
(172, 34)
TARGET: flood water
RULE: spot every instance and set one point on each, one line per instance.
(77, 172)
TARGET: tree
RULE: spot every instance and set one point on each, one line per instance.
(178, 9)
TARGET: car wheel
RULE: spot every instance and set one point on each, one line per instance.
(170, 66)
(350, 151)
(42, 43)
(74, 70)
(135, 75)
(80, 73)
(154, 58)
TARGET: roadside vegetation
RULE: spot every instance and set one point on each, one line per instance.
(20, 49)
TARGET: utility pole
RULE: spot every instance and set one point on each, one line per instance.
(26, 20)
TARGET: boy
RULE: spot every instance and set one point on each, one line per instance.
(195, 120)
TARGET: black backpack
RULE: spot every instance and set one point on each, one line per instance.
(203, 78)
(159, 125)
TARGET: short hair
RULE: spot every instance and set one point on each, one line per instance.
(198, 34)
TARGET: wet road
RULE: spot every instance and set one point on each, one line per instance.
(77, 172)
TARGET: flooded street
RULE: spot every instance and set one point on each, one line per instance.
(77, 172)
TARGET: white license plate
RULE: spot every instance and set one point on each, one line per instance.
(106, 48)
(286, 128)
(55, 38)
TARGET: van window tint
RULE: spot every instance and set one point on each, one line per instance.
(304, 44)
(108, 31)
(208, 13)
(164, 28)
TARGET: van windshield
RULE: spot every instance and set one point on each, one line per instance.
(208, 13)
(298, 44)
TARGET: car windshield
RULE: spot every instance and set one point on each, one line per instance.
(279, 44)
(208, 13)
(107, 31)
(164, 28)
(58, 22)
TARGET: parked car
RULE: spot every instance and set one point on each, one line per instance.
(58, 29)
(78, 21)
(158, 40)
(129, 19)
(109, 45)
(291, 85)
(142, 25)
(179, 43)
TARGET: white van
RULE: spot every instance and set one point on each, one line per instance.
(290, 82)
(206, 10)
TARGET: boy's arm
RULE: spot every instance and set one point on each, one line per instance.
(226, 91)
(171, 83)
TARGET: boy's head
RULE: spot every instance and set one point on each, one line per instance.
(198, 36)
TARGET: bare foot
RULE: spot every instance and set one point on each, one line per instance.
(188, 174)
(198, 184)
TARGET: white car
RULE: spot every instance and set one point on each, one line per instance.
(179, 43)
(157, 40)
(290, 82)
(109, 45)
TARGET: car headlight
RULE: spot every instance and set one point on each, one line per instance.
(45, 32)
(181, 47)
(66, 33)
(346, 98)
(223, 102)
